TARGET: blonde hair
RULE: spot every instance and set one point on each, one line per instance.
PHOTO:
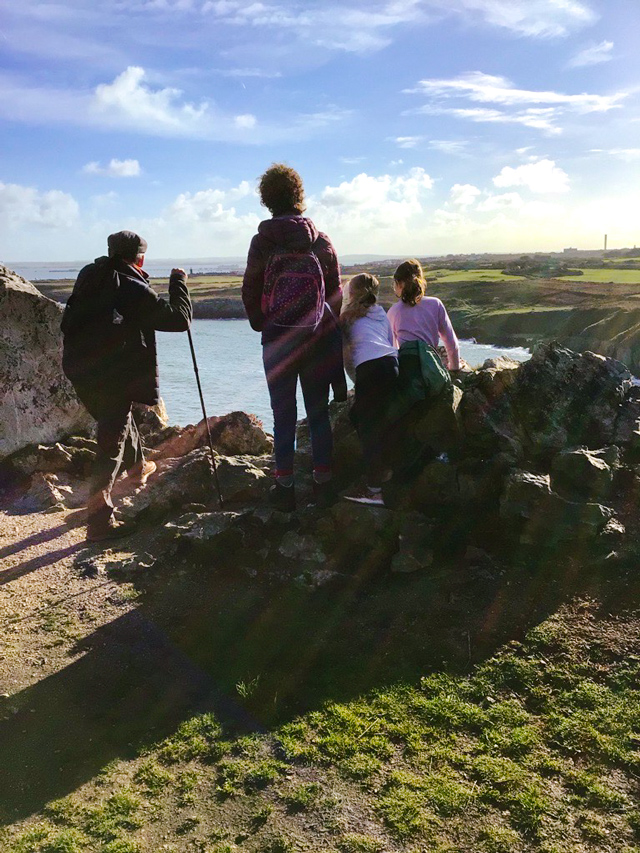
(411, 279)
(362, 294)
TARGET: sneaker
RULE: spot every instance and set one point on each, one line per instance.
(282, 498)
(111, 529)
(139, 474)
(366, 495)
(324, 494)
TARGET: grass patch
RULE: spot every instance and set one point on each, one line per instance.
(353, 842)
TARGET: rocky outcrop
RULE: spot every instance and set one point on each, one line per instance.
(523, 461)
(37, 404)
(235, 434)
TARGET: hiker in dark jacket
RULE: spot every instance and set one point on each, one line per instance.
(292, 294)
(109, 355)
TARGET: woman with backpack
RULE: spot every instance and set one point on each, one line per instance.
(291, 292)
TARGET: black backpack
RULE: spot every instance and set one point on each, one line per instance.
(93, 330)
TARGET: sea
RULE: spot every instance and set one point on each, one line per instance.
(229, 359)
(58, 271)
(228, 352)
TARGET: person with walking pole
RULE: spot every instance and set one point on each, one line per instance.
(109, 355)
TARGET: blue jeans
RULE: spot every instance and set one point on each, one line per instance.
(286, 359)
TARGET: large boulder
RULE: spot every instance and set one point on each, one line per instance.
(235, 434)
(557, 399)
(189, 480)
(583, 472)
(567, 399)
(37, 403)
(543, 518)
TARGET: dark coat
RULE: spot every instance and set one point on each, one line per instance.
(296, 233)
(109, 328)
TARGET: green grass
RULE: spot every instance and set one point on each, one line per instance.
(537, 750)
(606, 275)
(451, 276)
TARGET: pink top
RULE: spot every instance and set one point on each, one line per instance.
(427, 321)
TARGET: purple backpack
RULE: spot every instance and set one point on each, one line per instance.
(293, 293)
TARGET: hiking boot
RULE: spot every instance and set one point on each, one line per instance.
(140, 473)
(99, 531)
(324, 494)
(282, 498)
(365, 495)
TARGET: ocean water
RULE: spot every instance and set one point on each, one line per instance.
(61, 270)
(229, 357)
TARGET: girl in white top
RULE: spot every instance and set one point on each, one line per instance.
(371, 360)
(417, 317)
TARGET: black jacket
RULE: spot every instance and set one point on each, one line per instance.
(109, 327)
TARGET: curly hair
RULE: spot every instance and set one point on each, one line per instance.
(362, 293)
(411, 279)
(281, 190)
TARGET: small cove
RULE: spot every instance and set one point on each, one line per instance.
(230, 363)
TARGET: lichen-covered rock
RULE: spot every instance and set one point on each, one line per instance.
(190, 479)
(567, 399)
(45, 492)
(235, 434)
(582, 472)
(543, 517)
(37, 403)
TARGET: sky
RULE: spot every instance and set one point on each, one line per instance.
(420, 127)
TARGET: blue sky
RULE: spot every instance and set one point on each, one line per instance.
(419, 126)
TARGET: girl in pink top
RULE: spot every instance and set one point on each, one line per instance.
(417, 317)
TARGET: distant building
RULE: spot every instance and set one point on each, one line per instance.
(571, 250)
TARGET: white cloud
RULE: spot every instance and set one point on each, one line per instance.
(540, 177)
(540, 110)
(20, 205)
(407, 141)
(463, 195)
(592, 55)
(115, 168)
(130, 100)
(370, 203)
(489, 88)
(533, 18)
(455, 147)
(207, 206)
(538, 119)
(130, 103)
(505, 201)
(627, 154)
(245, 121)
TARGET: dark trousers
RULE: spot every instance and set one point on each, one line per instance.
(285, 360)
(119, 448)
(376, 385)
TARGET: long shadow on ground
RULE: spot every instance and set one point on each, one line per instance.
(206, 637)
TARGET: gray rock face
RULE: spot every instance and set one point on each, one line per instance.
(582, 472)
(37, 403)
(189, 479)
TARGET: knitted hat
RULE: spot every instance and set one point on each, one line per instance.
(126, 245)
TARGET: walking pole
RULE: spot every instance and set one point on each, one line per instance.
(206, 420)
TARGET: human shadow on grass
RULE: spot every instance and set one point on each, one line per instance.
(131, 687)
(286, 649)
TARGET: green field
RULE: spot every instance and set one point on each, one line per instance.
(613, 276)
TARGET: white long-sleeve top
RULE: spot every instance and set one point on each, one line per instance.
(367, 338)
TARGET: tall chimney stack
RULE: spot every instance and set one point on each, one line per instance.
(605, 242)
